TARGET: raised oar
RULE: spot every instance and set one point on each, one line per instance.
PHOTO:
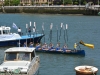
(60, 30)
(89, 45)
(51, 31)
(57, 33)
(86, 44)
(43, 31)
(35, 29)
(66, 32)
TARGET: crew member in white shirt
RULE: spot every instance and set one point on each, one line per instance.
(19, 31)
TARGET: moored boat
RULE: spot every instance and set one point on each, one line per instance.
(64, 50)
(20, 60)
(11, 39)
(58, 50)
(86, 70)
(68, 51)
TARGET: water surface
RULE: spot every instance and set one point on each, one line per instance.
(86, 28)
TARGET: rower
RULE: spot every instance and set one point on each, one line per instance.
(75, 46)
(51, 47)
(58, 47)
(45, 46)
(31, 44)
(38, 46)
(64, 48)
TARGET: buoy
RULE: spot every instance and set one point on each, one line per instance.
(86, 70)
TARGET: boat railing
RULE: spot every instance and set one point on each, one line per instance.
(33, 64)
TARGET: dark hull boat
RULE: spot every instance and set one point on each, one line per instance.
(64, 50)
(69, 51)
(14, 42)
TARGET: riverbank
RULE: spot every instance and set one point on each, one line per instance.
(49, 10)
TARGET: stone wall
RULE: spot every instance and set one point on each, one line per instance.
(47, 9)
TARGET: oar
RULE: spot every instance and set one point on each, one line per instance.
(35, 29)
(86, 44)
(43, 31)
(60, 30)
(51, 31)
(33, 33)
(66, 32)
(57, 33)
(89, 45)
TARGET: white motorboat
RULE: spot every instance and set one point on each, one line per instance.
(86, 70)
(20, 60)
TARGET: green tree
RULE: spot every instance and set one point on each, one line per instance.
(11, 2)
(67, 2)
(15, 2)
(6, 3)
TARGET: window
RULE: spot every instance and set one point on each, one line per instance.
(24, 56)
(11, 56)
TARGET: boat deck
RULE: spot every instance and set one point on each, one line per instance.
(32, 36)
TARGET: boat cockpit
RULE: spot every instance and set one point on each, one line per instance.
(4, 30)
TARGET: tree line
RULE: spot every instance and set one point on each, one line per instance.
(55, 2)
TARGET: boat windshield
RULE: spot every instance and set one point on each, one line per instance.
(11, 56)
(24, 56)
(17, 56)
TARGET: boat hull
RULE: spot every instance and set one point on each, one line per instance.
(73, 52)
(86, 70)
(22, 40)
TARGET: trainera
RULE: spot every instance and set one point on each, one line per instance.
(20, 60)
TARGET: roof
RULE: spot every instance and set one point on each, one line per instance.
(20, 49)
(4, 28)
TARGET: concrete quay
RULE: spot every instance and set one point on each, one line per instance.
(73, 9)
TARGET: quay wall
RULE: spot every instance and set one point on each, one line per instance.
(48, 10)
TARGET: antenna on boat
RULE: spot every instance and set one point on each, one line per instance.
(26, 33)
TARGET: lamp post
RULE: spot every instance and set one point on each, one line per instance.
(79, 2)
(63, 2)
(98, 2)
(48, 2)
